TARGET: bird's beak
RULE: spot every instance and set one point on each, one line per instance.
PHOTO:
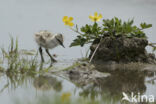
(62, 45)
(60, 42)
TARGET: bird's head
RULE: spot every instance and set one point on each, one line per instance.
(60, 39)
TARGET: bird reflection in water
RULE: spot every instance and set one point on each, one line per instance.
(47, 83)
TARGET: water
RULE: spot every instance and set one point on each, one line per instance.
(107, 89)
(22, 18)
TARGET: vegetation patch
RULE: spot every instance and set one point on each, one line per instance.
(114, 29)
(19, 61)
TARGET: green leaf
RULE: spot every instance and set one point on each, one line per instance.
(114, 27)
(78, 41)
(145, 26)
(94, 28)
(129, 35)
(130, 22)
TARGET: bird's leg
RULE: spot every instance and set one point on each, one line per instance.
(52, 59)
(41, 66)
(40, 50)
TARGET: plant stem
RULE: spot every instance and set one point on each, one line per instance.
(76, 31)
(95, 51)
(151, 80)
(152, 44)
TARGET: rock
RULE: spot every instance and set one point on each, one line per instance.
(122, 50)
(85, 74)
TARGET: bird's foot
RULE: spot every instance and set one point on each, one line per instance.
(54, 60)
(42, 61)
(41, 66)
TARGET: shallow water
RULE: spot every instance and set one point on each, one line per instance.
(22, 18)
(108, 90)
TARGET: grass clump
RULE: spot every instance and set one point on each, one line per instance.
(16, 62)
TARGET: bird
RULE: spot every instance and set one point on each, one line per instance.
(48, 40)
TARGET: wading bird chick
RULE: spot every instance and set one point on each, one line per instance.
(48, 41)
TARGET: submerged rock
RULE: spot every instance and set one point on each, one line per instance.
(122, 50)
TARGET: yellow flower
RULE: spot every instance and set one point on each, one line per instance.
(68, 21)
(65, 96)
(96, 17)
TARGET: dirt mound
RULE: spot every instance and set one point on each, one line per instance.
(122, 50)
